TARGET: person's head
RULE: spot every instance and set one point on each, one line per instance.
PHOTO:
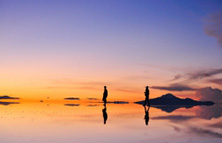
(104, 87)
(147, 87)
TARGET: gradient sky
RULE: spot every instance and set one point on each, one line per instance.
(67, 48)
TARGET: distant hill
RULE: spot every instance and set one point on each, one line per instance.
(170, 99)
(71, 98)
(169, 102)
(8, 97)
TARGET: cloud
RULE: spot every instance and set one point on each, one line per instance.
(197, 75)
(213, 26)
(176, 77)
(216, 81)
(72, 84)
(181, 80)
(128, 90)
(136, 77)
(204, 74)
(174, 87)
(69, 81)
(209, 94)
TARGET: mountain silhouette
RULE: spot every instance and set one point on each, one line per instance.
(169, 103)
(8, 97)
(72, 98)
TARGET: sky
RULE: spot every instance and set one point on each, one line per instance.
(60, 49)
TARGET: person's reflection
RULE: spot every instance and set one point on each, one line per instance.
(105, 115)
(146, 117)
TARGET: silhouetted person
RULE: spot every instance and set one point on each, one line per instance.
(147, 98)
(146, 117)
(105, 115)
(105, 94)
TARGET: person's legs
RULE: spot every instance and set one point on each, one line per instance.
(145, 102)
(149, 103)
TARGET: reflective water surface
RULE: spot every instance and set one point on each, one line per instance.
(40, 122)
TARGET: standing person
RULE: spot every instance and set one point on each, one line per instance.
(105, 94)
(147, 99)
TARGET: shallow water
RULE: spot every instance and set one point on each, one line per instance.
(84, 123)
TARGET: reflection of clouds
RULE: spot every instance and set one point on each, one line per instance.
(8, 103)
(174, 118)
(217, 125)
(71, 104)
(201, 131)
(177, 129)
(174, 87)
(209, 112)
(197, 130)
(92, 105)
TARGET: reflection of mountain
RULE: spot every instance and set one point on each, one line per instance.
(171, 108)
(118, 102)
(71, 104)
(169, 103)
(115, 102)
(92, 105)
(8, 97)
(8, 103)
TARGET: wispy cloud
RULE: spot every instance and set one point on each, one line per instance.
(176, 77)
(174, 87)
(204, 74)
(68, 83)
(181, 82)
(216, 81)
(197, 75)
(128, 90)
